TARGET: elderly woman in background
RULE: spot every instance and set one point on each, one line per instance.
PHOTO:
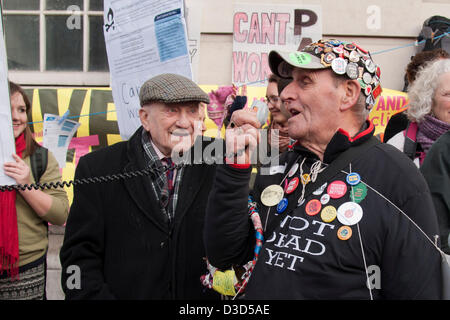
(429, 111)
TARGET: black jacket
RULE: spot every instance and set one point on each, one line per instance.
(436, 170)
(117, 234)
(303, 258)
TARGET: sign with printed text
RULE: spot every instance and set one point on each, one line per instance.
(143, 39)
(259, 29)
(7, 144)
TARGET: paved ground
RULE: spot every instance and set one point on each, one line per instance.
(56, 236)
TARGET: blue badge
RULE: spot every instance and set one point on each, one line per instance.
(282, 205)
(353, 178)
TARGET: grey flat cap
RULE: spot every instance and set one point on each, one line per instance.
(171, 88)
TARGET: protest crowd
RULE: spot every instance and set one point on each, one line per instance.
(294, 198)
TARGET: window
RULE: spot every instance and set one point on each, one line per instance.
(55, 42)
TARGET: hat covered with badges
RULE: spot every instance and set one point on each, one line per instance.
(171, 88)
(344, 58)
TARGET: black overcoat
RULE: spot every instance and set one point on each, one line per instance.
(118, 239)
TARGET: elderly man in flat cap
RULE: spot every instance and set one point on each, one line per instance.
(348, 217)
(141, 237)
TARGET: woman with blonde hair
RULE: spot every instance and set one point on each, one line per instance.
(24, 214)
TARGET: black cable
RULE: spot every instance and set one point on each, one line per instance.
(100, 179)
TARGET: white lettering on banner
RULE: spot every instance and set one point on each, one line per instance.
(291, 240)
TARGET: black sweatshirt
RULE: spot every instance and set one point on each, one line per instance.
(303, 258)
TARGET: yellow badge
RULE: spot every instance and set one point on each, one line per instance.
(223, 282)
(306, 179)
(328, 214)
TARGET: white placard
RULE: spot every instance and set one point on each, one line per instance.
(7, 143)
(143, 39)
(194, 14)
(259, 29)
(57, 134)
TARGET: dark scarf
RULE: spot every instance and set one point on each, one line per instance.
(9, 235)
(429, 130)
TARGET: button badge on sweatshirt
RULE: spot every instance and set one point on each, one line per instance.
(313, 207)
(349, 213)
(272, 195)
(328, 214)
(337, 189)
(358, 193)
(282, 205)
(353, 178)
(344, 233)
(292, 185)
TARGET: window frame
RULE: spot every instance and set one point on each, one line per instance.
(65, 78)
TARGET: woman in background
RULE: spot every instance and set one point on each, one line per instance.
(24, 214)
(429, 111)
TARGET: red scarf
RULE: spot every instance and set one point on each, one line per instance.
(9, 235)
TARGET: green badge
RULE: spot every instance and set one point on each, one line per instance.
(300, 58)
(358, 192)
(362, 84)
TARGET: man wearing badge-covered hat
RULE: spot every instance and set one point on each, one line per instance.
(368, 229)
(141, 237)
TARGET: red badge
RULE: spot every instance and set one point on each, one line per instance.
(292, 185)
(376, 92)
(313, 207)
(337, 189)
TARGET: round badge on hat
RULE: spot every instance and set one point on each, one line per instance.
(339, 65)
(334, 42)
(370, 100)
(282, 205)
(353, 178)
(352, 70)
(313, 207)
(293, 170)
(338, 50)
(320, 190)
(367, 78)
(359, 192)
(370, 66)
(344, 233)
(367, 90)
(349, 213)
(362, 84)
(292, 185)
(349, 46)
(300, 58)
(329, 57)
(328, 214)
(325, 198)
(272, 195)
(354, 56)
(337, 189)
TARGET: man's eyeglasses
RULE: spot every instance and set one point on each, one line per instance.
(272, 99)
